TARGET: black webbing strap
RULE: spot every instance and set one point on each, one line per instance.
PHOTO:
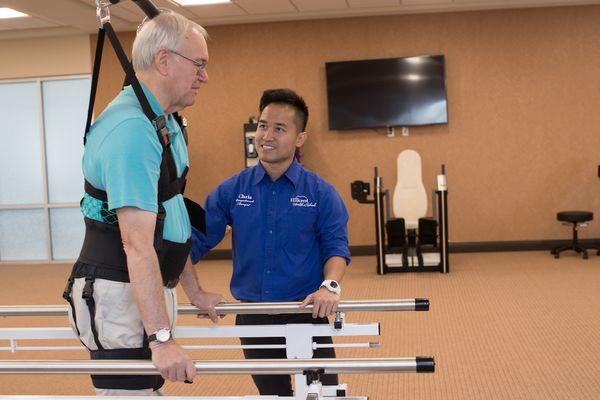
(159, 122)
(182, 122)
(67, 296)
(95, 193)
(88, 296)
(94, 87)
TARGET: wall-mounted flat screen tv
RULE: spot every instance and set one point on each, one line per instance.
(405, 91)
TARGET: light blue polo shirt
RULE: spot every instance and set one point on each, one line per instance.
(123, 156)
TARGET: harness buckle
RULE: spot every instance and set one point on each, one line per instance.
(160, 125)
(67, 292)
(88, 289)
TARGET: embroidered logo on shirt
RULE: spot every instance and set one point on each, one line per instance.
(302, 201)
(244, 200)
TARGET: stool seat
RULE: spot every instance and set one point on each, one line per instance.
(575, 216)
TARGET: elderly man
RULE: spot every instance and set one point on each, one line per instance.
(136, 249)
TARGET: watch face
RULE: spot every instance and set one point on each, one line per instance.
(333, 284)
(163, 335)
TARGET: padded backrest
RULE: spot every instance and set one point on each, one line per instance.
(410, 198)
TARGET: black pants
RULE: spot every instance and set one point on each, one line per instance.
(281, 385)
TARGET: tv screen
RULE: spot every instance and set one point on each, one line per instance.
(386, 92)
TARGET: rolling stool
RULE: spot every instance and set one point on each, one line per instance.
(578, 219)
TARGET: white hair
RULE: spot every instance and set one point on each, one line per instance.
(163, 31)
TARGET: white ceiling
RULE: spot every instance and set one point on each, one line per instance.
(64, 17)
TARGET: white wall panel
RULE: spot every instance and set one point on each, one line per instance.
(21, 162)
(67, 230)
(22, 235)
(65, 109)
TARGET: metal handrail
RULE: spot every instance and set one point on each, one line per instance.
(222, 367)
(244, 308)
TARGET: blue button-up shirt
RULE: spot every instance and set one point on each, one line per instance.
(283, 232)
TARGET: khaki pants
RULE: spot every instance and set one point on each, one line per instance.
(117, 321)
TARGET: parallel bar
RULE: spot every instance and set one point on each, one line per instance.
(222, 367)
(150, 397)
(224, 331)
(17, 347)
(244, 308)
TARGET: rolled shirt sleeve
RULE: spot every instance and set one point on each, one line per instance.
(332, 226)
(217, 219)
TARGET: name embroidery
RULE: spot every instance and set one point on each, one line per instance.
(244, 200)
(302, 201)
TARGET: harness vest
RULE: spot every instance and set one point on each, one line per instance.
(102, 255)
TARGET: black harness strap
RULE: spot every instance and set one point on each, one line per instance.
(159, 122)
(95, 75)
(127, 382)
(183, 124)
(88, 296)
(67, 296)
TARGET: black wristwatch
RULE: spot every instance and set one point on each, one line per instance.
(161, 336)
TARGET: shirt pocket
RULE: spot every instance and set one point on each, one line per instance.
(300, 232)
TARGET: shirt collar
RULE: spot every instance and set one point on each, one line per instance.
(293, 173)
(259, 173)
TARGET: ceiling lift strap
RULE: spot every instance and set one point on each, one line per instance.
(103, 13)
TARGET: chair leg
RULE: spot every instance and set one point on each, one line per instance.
(578, 249)
(584, 253)
(557, 250)
(574, 246)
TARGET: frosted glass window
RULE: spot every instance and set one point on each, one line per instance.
(21, 161)
(22, 235)
(67, 230)
(65, 110)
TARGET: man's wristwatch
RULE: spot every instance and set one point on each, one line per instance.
(332, 286)
(161, 336)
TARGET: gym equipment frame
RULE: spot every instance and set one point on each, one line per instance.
(413, 260)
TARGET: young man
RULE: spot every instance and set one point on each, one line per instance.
(137, 240)
(290, 240)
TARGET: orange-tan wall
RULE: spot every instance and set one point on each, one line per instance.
(523, 97)
(40, 57)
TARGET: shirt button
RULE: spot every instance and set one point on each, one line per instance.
(266, 291)
(273, 193)
(268, 271)
(270, 232)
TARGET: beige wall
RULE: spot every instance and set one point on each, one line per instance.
(37, 57)
(523, 94)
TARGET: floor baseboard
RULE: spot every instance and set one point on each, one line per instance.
(457, 247)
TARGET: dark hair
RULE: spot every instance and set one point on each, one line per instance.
(289, 97)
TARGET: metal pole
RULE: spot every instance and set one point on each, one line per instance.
(244, 308)
(147, 7)
(222, 367)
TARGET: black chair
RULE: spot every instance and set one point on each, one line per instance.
(578, 219)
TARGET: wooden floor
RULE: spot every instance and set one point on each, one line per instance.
(501, 326)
